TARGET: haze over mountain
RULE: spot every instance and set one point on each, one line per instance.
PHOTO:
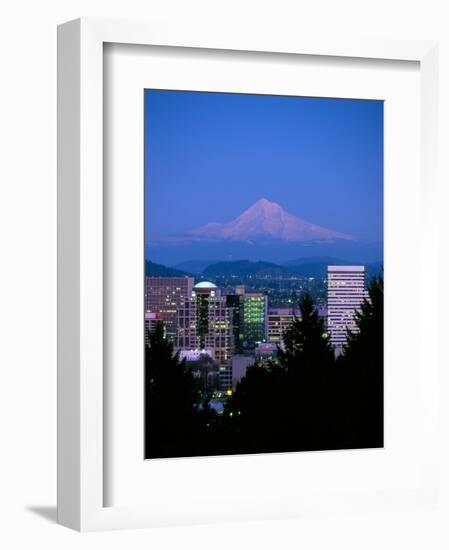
(268, 220)
(263, 232)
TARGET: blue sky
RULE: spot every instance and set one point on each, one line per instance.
(209, 156)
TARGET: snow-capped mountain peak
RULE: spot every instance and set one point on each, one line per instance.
(267, 219)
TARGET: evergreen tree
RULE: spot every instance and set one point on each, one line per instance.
(289, 405)
(311, 379)
(367, 341)
(363, 369)
(255, 416)
(171, 399)
(306, 344)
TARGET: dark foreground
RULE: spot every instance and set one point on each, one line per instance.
(306, 401)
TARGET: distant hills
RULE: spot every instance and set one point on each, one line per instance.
(306, 267)
(246, 268)
(158, 270)
(195, 266)
(329, 260)
(317, 267)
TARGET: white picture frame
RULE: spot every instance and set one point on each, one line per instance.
(81, 407)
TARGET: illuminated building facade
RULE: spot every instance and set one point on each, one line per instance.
(345, 294)
(163, 296)
(233, 302)
(253, 320)
(279, 321)
(205, 321)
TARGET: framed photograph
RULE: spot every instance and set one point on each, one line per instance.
(261, 327)
(245, 231)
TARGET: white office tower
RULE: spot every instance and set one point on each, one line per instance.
(345, 294)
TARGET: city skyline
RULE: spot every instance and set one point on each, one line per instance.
(229, 320)
(218, 338)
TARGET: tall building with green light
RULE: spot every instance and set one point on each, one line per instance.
(252, 319)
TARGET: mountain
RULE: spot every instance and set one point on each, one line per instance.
(195, 266)
(267, 220)
(261, 270)
(158, 270)
(262, 232)
(329, 260)
(246, 268)
(310, 267)
(314, 266)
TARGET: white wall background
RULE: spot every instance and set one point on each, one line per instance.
(28, 267)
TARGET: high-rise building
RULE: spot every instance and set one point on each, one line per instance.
(233, 302)
(187, 337)
(279, 320)
(163, 296)
(345, 294)
(253, 319)
(205, 321)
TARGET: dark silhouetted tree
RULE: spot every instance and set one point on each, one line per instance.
(289, 405)
(310, 362)
(171, 399)
(255, 415)
(306, 344)
(362, 368)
